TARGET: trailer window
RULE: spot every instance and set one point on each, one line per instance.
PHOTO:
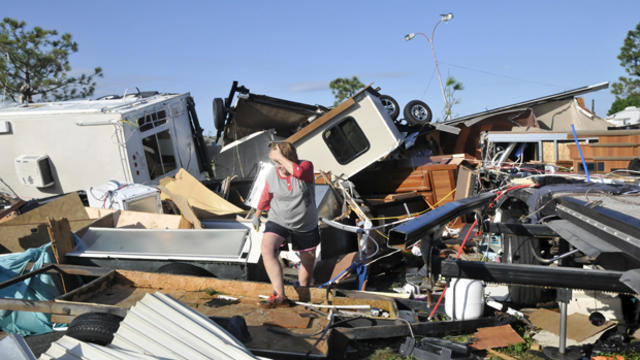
(158, 151)
(152, 120)
(346, 140)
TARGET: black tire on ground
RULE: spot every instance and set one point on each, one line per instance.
(391, 105)
(97, 328)
(219, 114)
(179, 268)
(417, 112)
(519, 250)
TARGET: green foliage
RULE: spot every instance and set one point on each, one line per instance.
(451, 86)
(628, 86)
(34, 63)
(620, 103)
(344, 88)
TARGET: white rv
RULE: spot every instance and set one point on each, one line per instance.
(59, 147)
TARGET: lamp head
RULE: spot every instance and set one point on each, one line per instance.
(409, 36)
(446, 17)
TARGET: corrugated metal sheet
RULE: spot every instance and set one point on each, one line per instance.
(160, 327)
(13, 347)
(68, 348)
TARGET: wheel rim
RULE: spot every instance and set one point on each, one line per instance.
(388, 104)
(419, 112)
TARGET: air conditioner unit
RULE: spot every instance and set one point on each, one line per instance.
(34, 170)
(134, 197)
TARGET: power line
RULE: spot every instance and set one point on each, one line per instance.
(504, 76)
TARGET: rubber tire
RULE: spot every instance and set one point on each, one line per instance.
(179, 268)
(516, 250)
(219, 114)
(391, 105)
(417, 112)
(95, 327)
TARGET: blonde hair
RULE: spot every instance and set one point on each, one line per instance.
(287, 150)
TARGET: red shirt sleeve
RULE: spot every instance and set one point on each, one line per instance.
(304, 171)
(265, 198)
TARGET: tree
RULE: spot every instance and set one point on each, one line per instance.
(620, 104)
(34, 64)
(343, 88)
(628, 87)
(451, 86)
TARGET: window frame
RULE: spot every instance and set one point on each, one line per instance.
(337, 127)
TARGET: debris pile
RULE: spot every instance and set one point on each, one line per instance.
(495, 233)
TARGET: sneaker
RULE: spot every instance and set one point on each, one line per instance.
(275, 301)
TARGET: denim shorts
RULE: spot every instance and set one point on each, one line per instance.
(300, 240)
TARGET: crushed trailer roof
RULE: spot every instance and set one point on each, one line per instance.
(528, 103)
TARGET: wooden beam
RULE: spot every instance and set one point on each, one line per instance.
(89, 288)
(12, 208)
(248, 289)
(57, 307)
(317, 123)
(84, 270)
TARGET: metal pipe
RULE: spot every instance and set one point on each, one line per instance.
(563, 328)
(552, 260)
(584, 164)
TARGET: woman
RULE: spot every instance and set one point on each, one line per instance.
(289, 195)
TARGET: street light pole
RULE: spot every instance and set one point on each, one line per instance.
(443, 18)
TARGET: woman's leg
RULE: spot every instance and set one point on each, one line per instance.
(305, 273)
(270, 244)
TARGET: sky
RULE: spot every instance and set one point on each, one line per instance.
(503, 52)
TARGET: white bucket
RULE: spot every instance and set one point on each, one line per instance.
(468, 297)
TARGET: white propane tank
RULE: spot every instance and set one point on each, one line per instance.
(468, 297)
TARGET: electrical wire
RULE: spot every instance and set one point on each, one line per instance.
(433, 311)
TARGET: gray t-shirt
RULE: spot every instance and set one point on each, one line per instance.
(293, 205)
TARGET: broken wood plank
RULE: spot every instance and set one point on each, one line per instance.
(61, 239)
(56, 307)
(6, 213)
(87, 290)
(61, 243)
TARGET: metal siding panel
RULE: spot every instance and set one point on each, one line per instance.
(157, 326)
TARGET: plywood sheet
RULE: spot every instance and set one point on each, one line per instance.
(29, 230)
(495, 337)
(284, 317)
(69, 206)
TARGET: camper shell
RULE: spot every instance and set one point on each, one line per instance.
(59, 147)
(342, 140)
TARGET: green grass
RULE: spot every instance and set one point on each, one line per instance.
(388, 353)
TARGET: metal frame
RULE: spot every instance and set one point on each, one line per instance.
(537, 275)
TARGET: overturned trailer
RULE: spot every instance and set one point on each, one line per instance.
(342, 140)
(60, 147)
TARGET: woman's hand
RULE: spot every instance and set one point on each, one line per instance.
(282, 163)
